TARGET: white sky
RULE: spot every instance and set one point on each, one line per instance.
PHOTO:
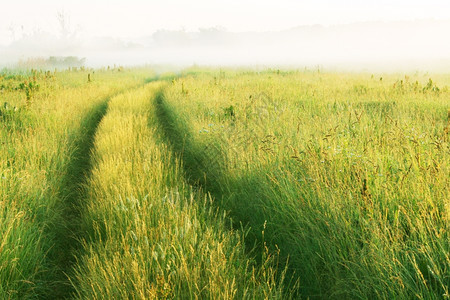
(135, 18)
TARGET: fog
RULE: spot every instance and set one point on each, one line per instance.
(421, 45)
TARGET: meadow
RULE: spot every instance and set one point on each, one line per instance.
(224, 184)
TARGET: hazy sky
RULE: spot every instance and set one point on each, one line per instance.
(135, 18)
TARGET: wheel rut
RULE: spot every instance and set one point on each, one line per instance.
(68, 232)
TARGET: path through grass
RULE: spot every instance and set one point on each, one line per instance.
(68, 232)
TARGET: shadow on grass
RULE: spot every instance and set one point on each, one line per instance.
(245, 198)
(67, 233)
(179, 138)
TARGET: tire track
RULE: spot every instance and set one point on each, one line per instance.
(68, 232)
(210, 177)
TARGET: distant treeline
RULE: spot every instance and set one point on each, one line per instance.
(53, 62)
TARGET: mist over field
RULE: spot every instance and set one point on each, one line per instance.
(240, 149)
(366, 46)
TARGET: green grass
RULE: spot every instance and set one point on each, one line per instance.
(39, 142)
(68, 229)
(150, 234)
(224, 184)
(347, 173)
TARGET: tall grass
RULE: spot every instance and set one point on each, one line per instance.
(150, 235)
(347, 174)
(39, 139)
(227, 184)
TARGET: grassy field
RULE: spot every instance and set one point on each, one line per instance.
(224, 184)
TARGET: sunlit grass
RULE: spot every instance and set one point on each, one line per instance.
(38, 142)
(224, 184)
(150, 234)
(349, 173)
